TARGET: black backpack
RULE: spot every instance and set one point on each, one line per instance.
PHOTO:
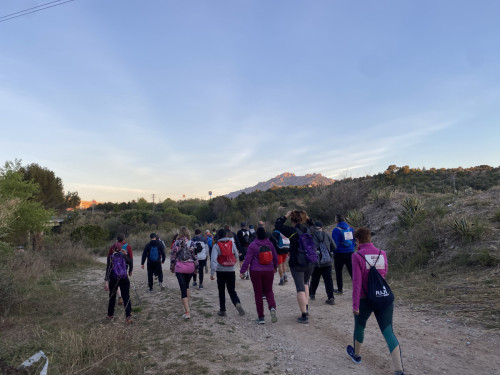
(379, 294)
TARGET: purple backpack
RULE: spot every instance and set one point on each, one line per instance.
(118, 265)
(307, 249)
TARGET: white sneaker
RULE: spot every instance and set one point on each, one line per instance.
(186, 316)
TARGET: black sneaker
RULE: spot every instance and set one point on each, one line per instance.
(312, 297)
(350, 352)
(303, 320)
(240, 309)
(330, 301)
(260, 320)
(336, 291)
(221, 313)
(195, 284)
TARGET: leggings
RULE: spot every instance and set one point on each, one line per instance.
(183, 279)
(124, 285)
(384, 320)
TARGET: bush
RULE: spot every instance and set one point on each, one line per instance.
(91, 235)
(355, 218)
(468, 230)
(413, 211)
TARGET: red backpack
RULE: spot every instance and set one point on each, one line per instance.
(265, 255)
(226, 257)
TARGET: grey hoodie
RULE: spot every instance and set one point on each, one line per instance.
(214, 265)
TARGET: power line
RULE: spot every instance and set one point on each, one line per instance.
(25, 12)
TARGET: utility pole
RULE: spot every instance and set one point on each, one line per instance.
(153, 202)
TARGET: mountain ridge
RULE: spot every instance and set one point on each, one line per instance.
(286, 179)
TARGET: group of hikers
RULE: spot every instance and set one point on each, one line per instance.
(311, 254)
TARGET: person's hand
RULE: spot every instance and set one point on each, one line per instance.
(355, 312)
(212, 278)
(288, 214)
(242, 276)
(142, 266)
(130, 274)
(106, 286)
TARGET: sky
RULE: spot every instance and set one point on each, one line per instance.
(126, 99)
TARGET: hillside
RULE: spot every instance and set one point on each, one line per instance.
(286, 179)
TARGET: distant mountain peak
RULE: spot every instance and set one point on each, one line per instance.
(286, 179)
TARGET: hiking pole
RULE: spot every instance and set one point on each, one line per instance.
(135, 290)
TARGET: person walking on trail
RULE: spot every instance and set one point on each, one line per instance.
(120, 241)
(201, 249)
(184, 263)
(262, 259)
(343, 237)
(300, 273)
(222, 264)
(282, 247)
(368, 255)
(154, 252)
(119, 268)
(325, 248)
(243, 236)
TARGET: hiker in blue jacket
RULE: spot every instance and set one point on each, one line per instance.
(343, 236)
(154, 252)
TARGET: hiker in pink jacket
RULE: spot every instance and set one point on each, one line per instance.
(367, 255)
(262, 259)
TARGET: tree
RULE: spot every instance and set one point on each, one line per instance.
(72, 199)
(50, 192)
(26, 215)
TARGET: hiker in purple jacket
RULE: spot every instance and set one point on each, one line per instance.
(262, 259)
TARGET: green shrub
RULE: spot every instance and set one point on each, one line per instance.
(413, 211)
(91, 235)
(496, 216)
(469, 230)
(378, 194)
(355, 218)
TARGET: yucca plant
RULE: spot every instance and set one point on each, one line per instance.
(413, 211)
(355, 218)
(376, 195)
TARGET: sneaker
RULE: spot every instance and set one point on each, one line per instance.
(336, 291)
(303, 320)
(110, 317)
(282, 282)
(274, 318)
(120, 300)
(399, 373)
(260, 320)
(312, 297)
(195, 284)
(221, 313)
(350, 352)
(240, 309)
(150, 290)
(186, 315)
(161, 286)
(263, 296)
(330, 301)
(285, 278)
(128, 320)
(247, 277)
(201, 286)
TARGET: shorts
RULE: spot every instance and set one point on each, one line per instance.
(301, 276)
(282, 258)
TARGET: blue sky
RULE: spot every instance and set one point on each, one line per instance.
(124, 99)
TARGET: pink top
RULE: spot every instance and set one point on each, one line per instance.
(360, 270)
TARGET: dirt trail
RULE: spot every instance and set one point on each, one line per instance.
(235, 344)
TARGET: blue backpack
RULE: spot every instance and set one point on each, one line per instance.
(119, 265)
(154, 254)
(347, 237)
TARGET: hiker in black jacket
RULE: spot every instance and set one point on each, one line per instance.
(155, 254)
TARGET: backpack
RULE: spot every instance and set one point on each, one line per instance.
(226, 257)
(280, 242)
(265, 255)
(209, 241)
(323, 250)
(118, 265)
(184, 254)
(379, 294)
(154, 254)
(307, 249)
(245, 235)
(199, 247)
(347, 237)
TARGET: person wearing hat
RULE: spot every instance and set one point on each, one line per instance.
(154, 252)
(325, 248)
(243, 236)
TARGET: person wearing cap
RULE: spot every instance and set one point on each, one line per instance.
(154, 266)
(324, 266)
(243, 236)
